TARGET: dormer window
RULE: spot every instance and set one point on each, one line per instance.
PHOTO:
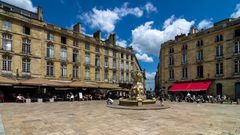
(63, 40)
(26, 30)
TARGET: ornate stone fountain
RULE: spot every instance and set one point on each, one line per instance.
(137, 93)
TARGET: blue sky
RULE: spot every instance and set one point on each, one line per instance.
(141, 24)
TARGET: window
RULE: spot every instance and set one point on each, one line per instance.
(97, 60)
(114, 63)
(26, 30)
(26, 43)
(7, 63)
(63, 70)
(237, 66)
(114, 54)
(97, 50)
(219, 38)
(122, 65)
(122, 76)
(63, 40)
(75, 55)
(87, 47)
(97, 74)
(132, 67)
(26, 65)
(184, 73)
(200, 71)
(75, 72)
(50, 36)
(199, 43)
(87, 73)
(171, 50)
(106, 74)
(7, 25)
(127, 57)
(237, 47)
(127, 77)
(63, 54)
(106, 51)
(171, 74)
(171, 60)
(184, 57)
(219, 68)
(50, 51)
(237, 33)
(131, 57)
(75, 43)
(106, 61)
(7, 42)
(219, 51)
(87, 58)
(200, 55)
(184, 47)
(122, 55)
(114, 76)
(50, 68)
(127, 65)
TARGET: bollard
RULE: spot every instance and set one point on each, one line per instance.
(40, 100)
(51, 100)
(28, 100)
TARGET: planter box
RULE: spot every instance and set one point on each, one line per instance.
(40, 100)
(51, 100)
(28, 100)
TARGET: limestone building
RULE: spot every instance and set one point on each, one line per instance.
(211, 55)
(34, 52)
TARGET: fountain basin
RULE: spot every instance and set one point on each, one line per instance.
(128, 102)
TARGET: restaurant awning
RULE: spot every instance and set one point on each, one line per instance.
(83, 84)
(191, 86)
(108, 86)
(40, 82)
(6, 81)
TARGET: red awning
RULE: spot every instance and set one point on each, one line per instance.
(190, 86)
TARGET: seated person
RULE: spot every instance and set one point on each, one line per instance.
(20, 98)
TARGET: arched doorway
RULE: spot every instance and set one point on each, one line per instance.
(237, 90)
(219, 89)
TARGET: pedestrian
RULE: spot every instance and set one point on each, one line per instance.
(71, 97)
(161, 99)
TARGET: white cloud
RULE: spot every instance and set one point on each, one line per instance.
(25, 4)
(103, 19)
(205, 24)
(106, 19)
(149, 7)
(144, 57)
(146, 39)
(236, 13)
(122, 43)
(150, 76)
(124, 11)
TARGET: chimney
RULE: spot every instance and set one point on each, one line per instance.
(77, 28)
(40, 13)
(97, 35)
(112, 38)
(193, 30)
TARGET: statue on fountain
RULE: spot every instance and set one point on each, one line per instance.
(138, 90)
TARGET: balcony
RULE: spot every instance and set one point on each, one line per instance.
(199, 60)
(219, 57)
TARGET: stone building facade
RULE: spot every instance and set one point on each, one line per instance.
(208, 55)
(33, 48)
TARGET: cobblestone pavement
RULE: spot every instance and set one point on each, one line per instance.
(94, 118)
